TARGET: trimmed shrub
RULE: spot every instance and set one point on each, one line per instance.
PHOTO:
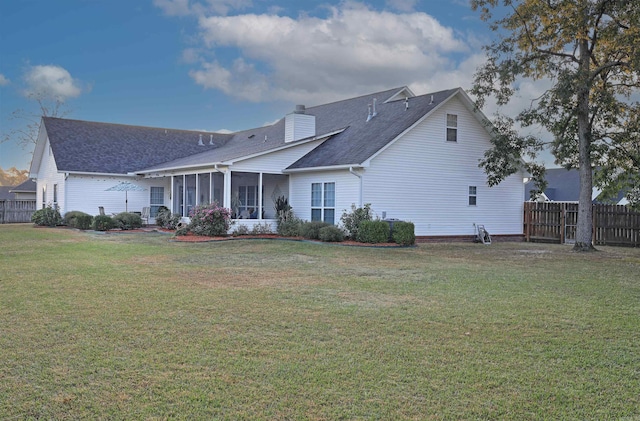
(103, 223)
(210, 220)
(127, 220)
(261, 229)
(331, 234)
(289, 226)
(311, 229)
(404, 233)
(165, 219)
(240, 230)
(79, 220)
(373, 232)
(47, 217)
(352, 220)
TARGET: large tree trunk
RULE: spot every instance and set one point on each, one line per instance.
(584, 230)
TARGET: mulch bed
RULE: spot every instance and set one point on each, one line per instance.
(191, 238)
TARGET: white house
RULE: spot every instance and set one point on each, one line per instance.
(413, 158)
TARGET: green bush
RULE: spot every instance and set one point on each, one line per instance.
(331, 234)
(351, 220)
(47, 217)
(311, 229)
(79, 220)
(404, 233)
(165, 219)
(240, 230)
(289, 226)
(127, 220)
(373, 232)
(103, 223)
(259, 229)
(210, 220)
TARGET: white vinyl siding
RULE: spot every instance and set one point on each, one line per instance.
(347, 190)
(421, 179)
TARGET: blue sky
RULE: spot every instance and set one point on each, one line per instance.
(223, 64)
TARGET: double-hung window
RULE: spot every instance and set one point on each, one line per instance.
(156, 200)
(248, 196)
(323, 202)
(473, 195)
(452, 128)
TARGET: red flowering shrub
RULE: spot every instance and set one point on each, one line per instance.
(210, 220)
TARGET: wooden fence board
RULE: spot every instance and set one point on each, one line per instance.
(16, 211)
(556, 221)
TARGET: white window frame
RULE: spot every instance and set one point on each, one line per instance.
(155, 205)
(325, 203)
(452, 127)
(473, 196)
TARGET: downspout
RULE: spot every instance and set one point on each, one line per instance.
(360, 177)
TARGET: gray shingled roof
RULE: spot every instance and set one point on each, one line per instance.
(28, 186)
(363, 138)
(85, 146)
(112, 148)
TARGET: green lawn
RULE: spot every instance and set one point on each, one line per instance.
(133, 326)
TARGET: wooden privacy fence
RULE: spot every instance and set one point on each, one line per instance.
(556, 222)
(15, 211)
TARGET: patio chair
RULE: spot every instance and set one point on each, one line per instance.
(146, 211)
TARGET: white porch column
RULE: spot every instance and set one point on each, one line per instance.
(227, 189)
(260, 195)
(184, 195)
(172, 194)
(197, 189)
(211, 199)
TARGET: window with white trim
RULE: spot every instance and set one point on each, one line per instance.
(323, 202)
(156, 199)
(473, 195)
(452, 128)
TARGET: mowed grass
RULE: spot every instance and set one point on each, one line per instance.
(133, 326)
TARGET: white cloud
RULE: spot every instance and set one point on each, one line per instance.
(309, 59)
(51, 81)
(3, 80)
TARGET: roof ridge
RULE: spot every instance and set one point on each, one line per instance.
(133, 125)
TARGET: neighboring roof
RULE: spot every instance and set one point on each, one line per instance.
(564, 186)
(5, 193)
(9, 192)
(28, 186)
(91, 147)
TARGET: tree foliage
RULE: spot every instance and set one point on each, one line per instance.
(590, 52)
(26, 134)
(13, 176)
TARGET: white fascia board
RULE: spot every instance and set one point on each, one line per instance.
(404, 89)
(324, 136)
(100, 174)
(327, 168)
(39, 151)
(186, 169)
